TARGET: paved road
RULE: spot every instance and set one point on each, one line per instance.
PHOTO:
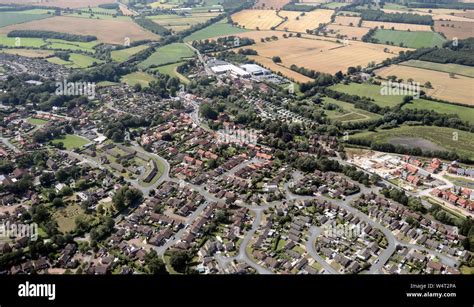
(10, 145)
(314, 232)
(209, 71)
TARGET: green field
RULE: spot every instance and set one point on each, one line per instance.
(170, 70)
(333, 5)
(413, 39)
(9, 18)
(36, 121)
(124, 54)
(168, 54)
(76, 60)
(217, 29)
(414, 135)
(139, 77)
(462, 70)
(464, 113)
(71, 141)
(22, 42)
(348, 112)
(73, 46)
(179, 23)
(369, 90)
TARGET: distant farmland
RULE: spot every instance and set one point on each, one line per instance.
(217, 29)
(104, 30)
(10, 18)
(168, 54)
(413, 39)
(457, 89)
(324, 54)
(257, 19)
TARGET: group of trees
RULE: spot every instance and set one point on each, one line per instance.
(378, 15)
(52, 34)
(222, 43)
(127, 197)
(399, 196)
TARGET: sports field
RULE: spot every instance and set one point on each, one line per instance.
(71, 141)
(414, 39)
(168, 54)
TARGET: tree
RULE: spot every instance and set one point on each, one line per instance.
(208, 112)
(179, 260)
(127, 197)
(276, 59)
(155, 264)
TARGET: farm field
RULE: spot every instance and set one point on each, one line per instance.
(347, 112)
(170, 70)
(167, 54)
(310, 21)
(395, 26)
(70, 46)
(124, 54)
(270, 4)
(369, 90)
(354, 33)
(76, 60)
(179, 23)
(462, 70)
(59, 3)
(22, 42)
(257, 19)
(451, 29)
(217, 29)
(139, 77)
(413, 39)
(333, 5)
(323, 55)
(425, 137)
(30, 53)
(288, 73)
(104, 30)
(347, 21)
(464, 113)
(436, 14)
(458, 89)
(8, 18)
(71, 141)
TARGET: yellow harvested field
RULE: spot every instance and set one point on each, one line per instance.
(270, 4)
(324, 55)
(30, 53)
(395, 26)
(104, 29)
(347, 21)
(288, 73)
(458, 89)
(257, 19)
(59, 3)
(310, 21)
(354, 33)
(452, 29)
(466, 14)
